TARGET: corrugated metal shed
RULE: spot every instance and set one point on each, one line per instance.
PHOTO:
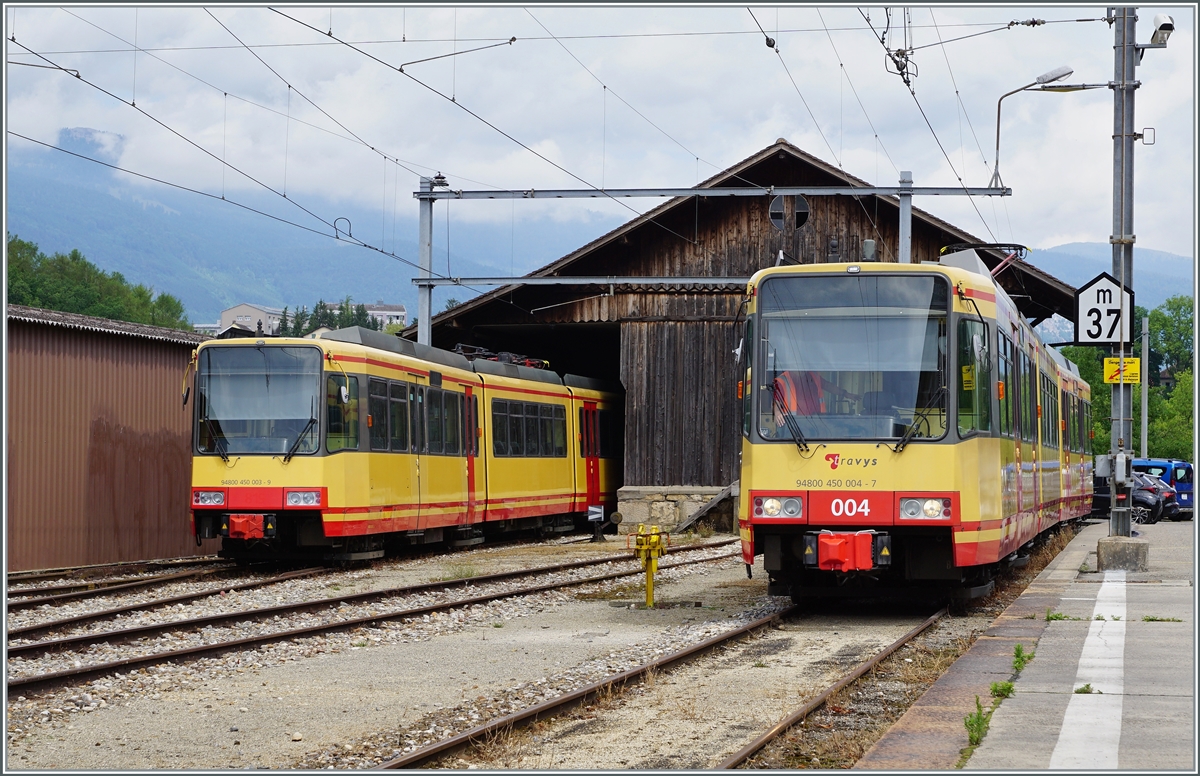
(99, 462)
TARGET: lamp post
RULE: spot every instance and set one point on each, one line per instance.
(1057, 74)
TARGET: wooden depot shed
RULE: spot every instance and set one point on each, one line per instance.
(671, 347)
(99, 443)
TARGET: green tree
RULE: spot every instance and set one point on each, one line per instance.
(300, 323)
(323, 316)
(285, 326)
(70, 283)
(1171, 332)
(451, 303)
(1171, 431)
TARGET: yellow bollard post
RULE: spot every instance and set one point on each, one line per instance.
(648, 547)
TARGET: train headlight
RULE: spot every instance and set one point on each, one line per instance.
(772, 507)
(924, 508)
(208, 498)
(792, 507)
(303, 498)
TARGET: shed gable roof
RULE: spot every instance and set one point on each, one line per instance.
(732, 176)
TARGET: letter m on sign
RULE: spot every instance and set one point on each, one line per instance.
(1103, 312)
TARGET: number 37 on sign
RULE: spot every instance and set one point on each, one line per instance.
(1103, 312)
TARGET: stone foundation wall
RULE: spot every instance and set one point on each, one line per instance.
(666, 506)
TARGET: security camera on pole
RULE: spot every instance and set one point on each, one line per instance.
(1121, 551)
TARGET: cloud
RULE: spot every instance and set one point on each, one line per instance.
(677, 107)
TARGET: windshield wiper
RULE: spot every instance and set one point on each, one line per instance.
(918, 416)
(296, 445)
(218, 439)
(789, 420)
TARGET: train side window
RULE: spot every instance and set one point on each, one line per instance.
(533, 447)
(433, 426)
(560, 432)
(342, 433)
(416, 402)
(473, 427)
(398, 423)
(1004, 384)
(499, 427)
(516, 428)
(546, 411)
(612, 435)
(583, 451)
(452, 415)
(974, 379)
(377, 413)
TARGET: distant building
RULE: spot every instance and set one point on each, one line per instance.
(210, 329)
(316, 333)
(388, 313)
(248, 316)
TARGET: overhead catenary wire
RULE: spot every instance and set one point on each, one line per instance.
(912, 91)
(492, 126)
(773, 44)
(501, 41)
(963, 108)
(181, 187)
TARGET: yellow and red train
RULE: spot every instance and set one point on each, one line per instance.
(342, 445)
(904, 427)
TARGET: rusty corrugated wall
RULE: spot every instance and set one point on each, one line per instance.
(99, 468)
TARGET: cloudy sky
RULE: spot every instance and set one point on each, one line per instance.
(617, 97)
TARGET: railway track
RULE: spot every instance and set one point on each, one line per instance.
(433, 753)
(109, 569)
(40, 681)
(29, 631)
(94, 589)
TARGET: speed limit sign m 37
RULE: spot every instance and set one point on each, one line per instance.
(1102, 310)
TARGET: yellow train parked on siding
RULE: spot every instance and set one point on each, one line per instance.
(904, 427)
(341, 446)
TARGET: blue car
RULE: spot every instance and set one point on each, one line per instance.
(1177, 474)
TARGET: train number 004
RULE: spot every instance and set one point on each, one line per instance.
(849, 507)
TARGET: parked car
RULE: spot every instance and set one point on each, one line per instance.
(1147, 499)
(1146, 496)
(1170, 502)
(1177, 474)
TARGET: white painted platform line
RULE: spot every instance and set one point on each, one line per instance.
(1091, 730)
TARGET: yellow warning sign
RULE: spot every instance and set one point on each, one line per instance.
(884, 551)
(968, 377)
(808, 550)
(1112, 370)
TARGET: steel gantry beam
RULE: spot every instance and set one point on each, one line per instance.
(436, 188)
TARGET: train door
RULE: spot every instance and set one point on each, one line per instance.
(443, 467)
(471, 452)
(589, 435)
(416, 411)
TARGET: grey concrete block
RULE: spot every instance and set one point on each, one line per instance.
(1115, 553)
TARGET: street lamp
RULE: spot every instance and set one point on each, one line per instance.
(1057, 74)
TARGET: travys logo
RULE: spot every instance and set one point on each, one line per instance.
(836, 460)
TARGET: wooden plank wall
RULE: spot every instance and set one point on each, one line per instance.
(681, 418)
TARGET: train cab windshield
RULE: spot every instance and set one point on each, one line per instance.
(852, 357)
(258, 400)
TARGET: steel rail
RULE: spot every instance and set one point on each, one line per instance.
(815, 703)
(93, 585)
(29, 603)
(66, 622)
(99, 568)
(532, 713)
(39, 681)
(127, 634)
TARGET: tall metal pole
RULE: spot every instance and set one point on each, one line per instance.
(904, 252)
(1124, 84)
(1145, 382)
(425, 292)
